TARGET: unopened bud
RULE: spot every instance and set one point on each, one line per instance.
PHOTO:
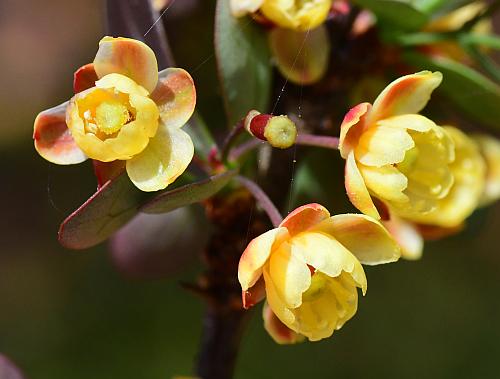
(279, 131)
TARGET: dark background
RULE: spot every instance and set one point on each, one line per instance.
(71, 315)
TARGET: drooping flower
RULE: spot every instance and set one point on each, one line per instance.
(451, 211)
(309, 270)
(124, 110)
(490, 150)
(393, 153)
(292, 14)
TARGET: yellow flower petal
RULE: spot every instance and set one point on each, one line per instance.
(490, 150)
(277, 304)
(363, 236)
(356, 188)
(407, 236)
(298, 15)
(386, 182)
(256, 255)
(175, 96)
(128, 57)
(304, 217)
(279, 332)
(165, 158)
(53, 140)
(382, 145)
(289, 274)
(323, 252)
(406, 95)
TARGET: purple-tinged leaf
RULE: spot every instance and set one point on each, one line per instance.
(191, 193)
(154, 246)
(8, 370)
(111, 207)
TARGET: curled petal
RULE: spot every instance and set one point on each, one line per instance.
(128, 57)
(382, 145)
(279, 332)
(385, 182)
(175, 96)
(356, 188)
(84, 78)
(407, 236)
(406, 95)
(352, 127)
(53, 140)
(363, 236)
(304, 217)
(256, 255)
(323, 252)
(164, 159)
(254, 294)
(290, 275)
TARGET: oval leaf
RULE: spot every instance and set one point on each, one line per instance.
(113, 205)
(475, 94)
(167, 201)
(160, 245)
(243, 62)
(400, 14)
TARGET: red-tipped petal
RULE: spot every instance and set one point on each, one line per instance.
(84, 78)
(106, 171)
(254, 295)
(53, 140)
(279, 332)
(175, 96)
(352, 127)
(305, 217)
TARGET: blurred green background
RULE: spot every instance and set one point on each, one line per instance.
(71, 315)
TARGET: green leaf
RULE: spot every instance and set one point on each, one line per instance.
(111, 207)
(188, 194)
(402, 15)
(200, 134)
(475, 94)
(243, 62)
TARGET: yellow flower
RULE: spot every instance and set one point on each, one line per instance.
(309, 269)
(292, 14)
(395, 154)
(468, 171)
(132, 113)
(490, 150)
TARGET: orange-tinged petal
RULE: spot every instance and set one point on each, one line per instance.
(352, 127)
(406, 95)
(175, 96)
(128, 57)
(105, 171)
(53, 139)
(165, 158)
(279, 332)
(301, 57)
(363, 236)
(304, 217)
(356, 188)
(407, 236)
(290, 275)
(84, 78)
(256, 255)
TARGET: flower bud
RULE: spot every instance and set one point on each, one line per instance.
(279, 131)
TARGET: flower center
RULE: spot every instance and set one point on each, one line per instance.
(110, 116)
(318, 285)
